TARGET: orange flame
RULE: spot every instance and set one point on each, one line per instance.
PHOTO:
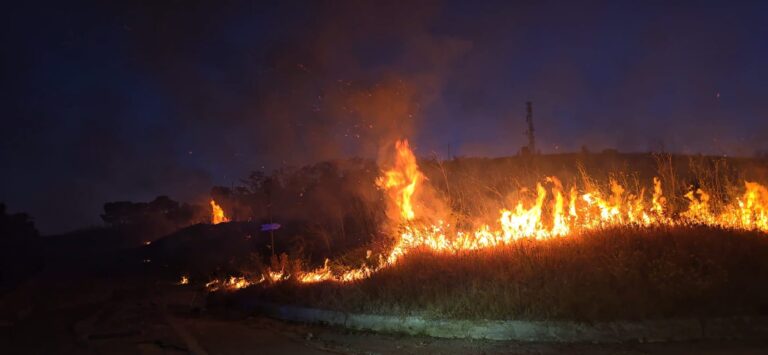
(231, 283)
(588, 211)
(217, 214)
(401, 181)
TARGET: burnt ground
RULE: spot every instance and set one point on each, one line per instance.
(113, 303)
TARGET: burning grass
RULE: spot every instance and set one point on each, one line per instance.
(549, 213)
(616, 273)
(579, 250)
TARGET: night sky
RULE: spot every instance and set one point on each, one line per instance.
(105, 102)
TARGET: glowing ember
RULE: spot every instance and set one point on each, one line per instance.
(217, 214)
(546, 216)
(184, 280)
(232, 283)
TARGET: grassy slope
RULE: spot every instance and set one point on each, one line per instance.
(621, 273)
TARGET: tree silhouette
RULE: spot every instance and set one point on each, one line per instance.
(17, 225)
(162, 213)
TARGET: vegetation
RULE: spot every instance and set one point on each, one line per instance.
(16, 225)
(153, 219)
(18, 243)
(324, 209)
(622, 273)
(334, 210)
(337, 202)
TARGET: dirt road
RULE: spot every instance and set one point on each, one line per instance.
(62, 311)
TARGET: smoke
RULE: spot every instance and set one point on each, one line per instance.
(330, 79)
(171, 98)
(131, 100)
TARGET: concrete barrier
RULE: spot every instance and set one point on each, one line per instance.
(528, 331)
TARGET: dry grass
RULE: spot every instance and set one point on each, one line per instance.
(621, 273)
(624, 273)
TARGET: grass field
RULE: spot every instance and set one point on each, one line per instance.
(621, 273)
(662, 268)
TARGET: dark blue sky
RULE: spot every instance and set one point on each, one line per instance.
(106, 102)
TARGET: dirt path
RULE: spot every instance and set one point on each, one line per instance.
(133, 315)
(130, 328)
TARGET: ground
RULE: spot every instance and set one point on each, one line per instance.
(95, 308)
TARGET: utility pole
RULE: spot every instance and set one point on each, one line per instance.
(529, 131)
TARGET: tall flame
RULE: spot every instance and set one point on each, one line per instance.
(217, 213)
(401, 181)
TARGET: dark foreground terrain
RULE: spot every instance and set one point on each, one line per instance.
(114, 302)
(132, 315)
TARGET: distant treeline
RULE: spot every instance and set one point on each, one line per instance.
(335, 202)
(155, 218)
(338, 202)
(16, 226)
